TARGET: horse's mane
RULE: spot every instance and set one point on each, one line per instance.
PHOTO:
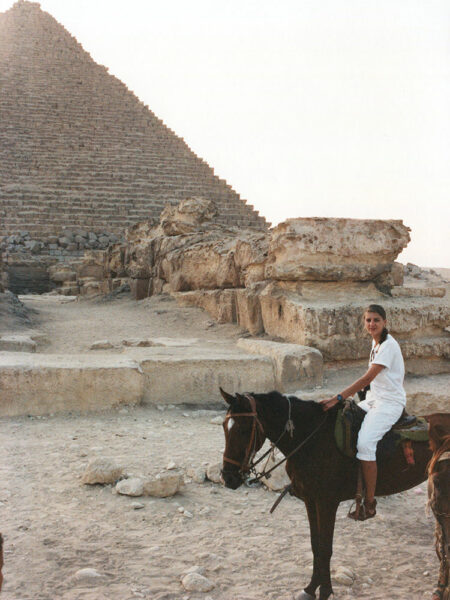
(444, 447)
(276, 401)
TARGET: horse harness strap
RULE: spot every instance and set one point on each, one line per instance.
(256, 423)
(444, 456)
(296, 449)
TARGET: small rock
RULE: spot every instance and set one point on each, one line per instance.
(138, 343)
(187, 514)
(137, 505)
(87, 576)
(101, 470)
(213, 473)
(130, 487)
(194, 582)
(164, 485)
(171, 465)
(197, 474)
(101, 345)
(344, 576)
(217, 420)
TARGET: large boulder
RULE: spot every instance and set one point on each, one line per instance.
(295, 365)
(320, 249)
(187, 216)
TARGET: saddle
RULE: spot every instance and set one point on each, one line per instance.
(407, 429)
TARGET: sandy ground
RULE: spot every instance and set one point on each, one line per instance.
(54, 526)
(70, 327)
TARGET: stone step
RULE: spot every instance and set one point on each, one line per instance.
(39, 384)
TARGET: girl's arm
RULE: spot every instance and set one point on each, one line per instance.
(359, 384)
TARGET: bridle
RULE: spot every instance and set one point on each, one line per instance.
(248, 465)
(245, 466)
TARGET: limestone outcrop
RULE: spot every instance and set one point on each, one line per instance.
(320, 249)
(306, 282)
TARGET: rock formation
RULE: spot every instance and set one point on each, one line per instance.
(78, 150)
(307, 281)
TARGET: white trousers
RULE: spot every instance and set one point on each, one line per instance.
(379, 419)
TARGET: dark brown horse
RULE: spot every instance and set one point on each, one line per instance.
(439, 499)
(321, 476)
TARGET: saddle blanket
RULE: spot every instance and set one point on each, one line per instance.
(348, 424)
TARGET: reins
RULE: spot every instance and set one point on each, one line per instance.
(246, 466)
(303, 443)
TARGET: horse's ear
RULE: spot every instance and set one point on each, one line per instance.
(242, 398)
(227, 397)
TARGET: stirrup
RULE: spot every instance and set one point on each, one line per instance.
(364, 511)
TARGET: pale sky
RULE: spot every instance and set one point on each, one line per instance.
(335, 108)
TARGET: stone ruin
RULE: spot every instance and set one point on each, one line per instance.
(82, 159)
(80, 153)
(306, 281)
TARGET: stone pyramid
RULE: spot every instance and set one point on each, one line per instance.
(78, 149)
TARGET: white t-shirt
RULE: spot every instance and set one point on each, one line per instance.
(388, 384)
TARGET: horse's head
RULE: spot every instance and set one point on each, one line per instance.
(244, 436)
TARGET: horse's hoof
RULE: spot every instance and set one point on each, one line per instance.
(304, 596)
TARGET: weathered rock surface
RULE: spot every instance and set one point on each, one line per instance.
(194, 582)
(187, 216)
(102, 470)
(134, 486)
(101, 345)
(196, 379)
(320, 249)
(295, 365)
(163, 485)
(87, 576)
(38, 384)
(214, 472)
(17, 343)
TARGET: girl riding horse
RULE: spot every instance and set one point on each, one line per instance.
(384, 402)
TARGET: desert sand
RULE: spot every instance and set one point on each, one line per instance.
(54, 525)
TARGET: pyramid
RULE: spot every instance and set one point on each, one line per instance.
(78, 149)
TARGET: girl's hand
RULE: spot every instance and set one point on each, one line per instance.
(329, 403)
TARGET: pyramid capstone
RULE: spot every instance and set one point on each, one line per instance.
(78, 149)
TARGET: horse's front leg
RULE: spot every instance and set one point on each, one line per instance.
(310, 590)
(326, 514)
(322, 517)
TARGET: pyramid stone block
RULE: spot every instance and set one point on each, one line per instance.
(78, 149)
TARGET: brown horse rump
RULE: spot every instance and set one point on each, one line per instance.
(348, 423)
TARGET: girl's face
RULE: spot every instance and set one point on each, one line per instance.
(374, 324)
